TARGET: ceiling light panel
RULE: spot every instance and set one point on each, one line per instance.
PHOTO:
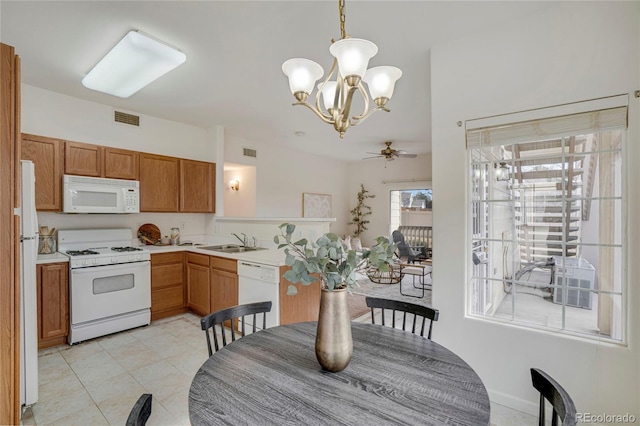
(134, 62)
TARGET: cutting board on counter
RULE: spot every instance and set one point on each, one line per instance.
(149, 233)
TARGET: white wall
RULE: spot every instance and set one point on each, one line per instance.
(51, 114)
(282, 175)
(240, 203)
(371, 173)
(570, 52)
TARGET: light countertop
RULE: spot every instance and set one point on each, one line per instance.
(272, 257)
(52, 258)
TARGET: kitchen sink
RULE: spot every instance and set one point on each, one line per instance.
(231, 248)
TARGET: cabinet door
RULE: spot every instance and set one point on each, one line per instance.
(120, 164)
(82, 159)
(53, 302)
(46, 154)
(197, 186)
(168, 289)
(198, 289)
(224, 289)
(159, 183)
(304, 306)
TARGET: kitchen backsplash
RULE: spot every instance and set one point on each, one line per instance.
(190, 224)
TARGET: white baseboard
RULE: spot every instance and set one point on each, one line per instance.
(513, 402)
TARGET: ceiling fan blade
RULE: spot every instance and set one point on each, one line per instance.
(408, 155)
(400, 151)
(374, 153)
(369, 158)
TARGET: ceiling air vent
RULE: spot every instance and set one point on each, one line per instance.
(123, 117)
(247, 152)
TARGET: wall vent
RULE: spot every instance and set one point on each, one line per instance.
(123, 117)
(248, 152)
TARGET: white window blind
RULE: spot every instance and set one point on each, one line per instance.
(545, 128)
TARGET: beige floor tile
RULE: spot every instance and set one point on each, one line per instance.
(165, 387)
(64, 402)
(50, 359)
(134, 355)
(117, 409)
(26, 417)
(52, 368)
(152, 372)
(146, 333)
(73, 353)
(101, 391)
(160, 416)
(52, 349)
(116, 340)
(165, 345)
(89, 416)
(87, 371)
(67, 379)
(178, 406)
(189, 362)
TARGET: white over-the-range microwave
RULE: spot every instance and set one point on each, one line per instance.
(83, 194)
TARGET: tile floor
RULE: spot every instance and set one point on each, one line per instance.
(98, 381)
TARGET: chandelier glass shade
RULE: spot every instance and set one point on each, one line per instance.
(346, 76)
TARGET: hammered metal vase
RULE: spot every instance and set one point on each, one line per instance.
(334, 345)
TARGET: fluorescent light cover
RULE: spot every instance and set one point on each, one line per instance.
(134, 62)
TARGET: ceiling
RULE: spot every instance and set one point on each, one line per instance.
(235, 50)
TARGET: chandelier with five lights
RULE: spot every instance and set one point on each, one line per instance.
(351, 58)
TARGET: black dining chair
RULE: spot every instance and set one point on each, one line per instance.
(141, 411)
(560, 400)
(229, 315)
(406, 308)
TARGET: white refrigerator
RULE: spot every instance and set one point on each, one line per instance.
(29, 307)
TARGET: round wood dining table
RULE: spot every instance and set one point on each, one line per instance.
(272, 377)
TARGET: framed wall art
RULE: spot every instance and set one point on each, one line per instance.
(316, 205)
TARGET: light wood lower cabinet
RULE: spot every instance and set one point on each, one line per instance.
(198, 284)
(304, 306)
(168, 289)
(224, 283)
(53, 304)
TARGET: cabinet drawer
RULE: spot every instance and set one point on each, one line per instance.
(158, 259)
(166, 275)
(198, 259)
(167, 298)
(230, 265)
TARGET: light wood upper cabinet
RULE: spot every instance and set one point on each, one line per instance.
(47, 156)
(159, 183)
(53, 303)
(120, 164)
(197, 186)
(83, 159)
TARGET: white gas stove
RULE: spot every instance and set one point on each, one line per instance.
(96, 247)
(109, 281)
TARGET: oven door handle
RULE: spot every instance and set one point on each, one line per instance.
(104, 268)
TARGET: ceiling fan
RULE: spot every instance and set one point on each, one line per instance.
(389, 153)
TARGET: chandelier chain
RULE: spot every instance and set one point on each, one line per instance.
(341, 7)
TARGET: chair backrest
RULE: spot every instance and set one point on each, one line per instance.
(560, 400)
(219, 318)
(141, 411)
(425, 312)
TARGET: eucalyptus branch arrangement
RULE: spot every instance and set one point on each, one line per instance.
(360, 212)
(327, 260)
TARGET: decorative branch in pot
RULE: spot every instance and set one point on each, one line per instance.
(360, 212)
(327, 260)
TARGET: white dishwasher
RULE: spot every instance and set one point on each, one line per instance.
(260, 283)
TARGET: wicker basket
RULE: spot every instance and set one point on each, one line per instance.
(392, 276)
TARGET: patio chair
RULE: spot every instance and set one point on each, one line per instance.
(420, 271)
(425, 312)
(230, 315)
(405, 251)
(551, 390)
(141, 411)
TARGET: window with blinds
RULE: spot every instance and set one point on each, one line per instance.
(546, 219)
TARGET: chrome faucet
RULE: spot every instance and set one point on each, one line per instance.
(243, 241)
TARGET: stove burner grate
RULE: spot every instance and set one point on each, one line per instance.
(121, 249)
(81, 252)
